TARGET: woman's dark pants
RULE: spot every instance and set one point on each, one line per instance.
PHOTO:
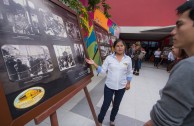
(108, 94)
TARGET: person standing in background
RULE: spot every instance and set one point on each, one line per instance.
(179, 55)
(131, 53)
(157, 54)
(171, 58)
(136, 58)
(141, 56)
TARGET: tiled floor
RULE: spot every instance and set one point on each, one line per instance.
(135, 106)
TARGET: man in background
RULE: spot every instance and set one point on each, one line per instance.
(131, 52)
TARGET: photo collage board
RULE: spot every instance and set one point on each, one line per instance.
(103, 40)
(42, 52)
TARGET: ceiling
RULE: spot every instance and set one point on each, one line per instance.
(143, 36)
(162, 29)
(148, 35)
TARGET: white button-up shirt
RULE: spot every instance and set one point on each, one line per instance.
(118, 72)
(171, 56)
(157, 53)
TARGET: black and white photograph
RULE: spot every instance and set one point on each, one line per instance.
(34, 19)
(109, 50)
(1, 20)
(6, 2)
(99, 37)
(20, 19)
(105, 51)
(26, 61)
(77, 32)
(64, 57)
(73, 30)
(52, 24)
(103, 41)
(1, 16)
(106, 39)
(113, 39)
(79, 50)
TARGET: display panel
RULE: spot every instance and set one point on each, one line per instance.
(42, 52)
(103, 41)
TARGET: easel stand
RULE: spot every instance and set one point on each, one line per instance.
(53, 116)
(91, 105)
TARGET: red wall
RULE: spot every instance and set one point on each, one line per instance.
(144, 12)
(84, 2)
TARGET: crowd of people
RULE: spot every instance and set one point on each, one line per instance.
(137, 54)
(173, 57)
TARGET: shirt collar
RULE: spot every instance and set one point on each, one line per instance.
(114, 55)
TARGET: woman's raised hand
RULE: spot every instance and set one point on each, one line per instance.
(89, 61)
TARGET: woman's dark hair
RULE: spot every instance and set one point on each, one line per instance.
(118, 40)
(188, 5)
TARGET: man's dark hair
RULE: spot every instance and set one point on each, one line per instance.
(189, 5)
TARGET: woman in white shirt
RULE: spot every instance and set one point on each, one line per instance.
(119, 75)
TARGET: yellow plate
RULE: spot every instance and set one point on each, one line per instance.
(29, 97)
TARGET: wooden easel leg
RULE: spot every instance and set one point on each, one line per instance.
(91, 106)
(53, 118)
